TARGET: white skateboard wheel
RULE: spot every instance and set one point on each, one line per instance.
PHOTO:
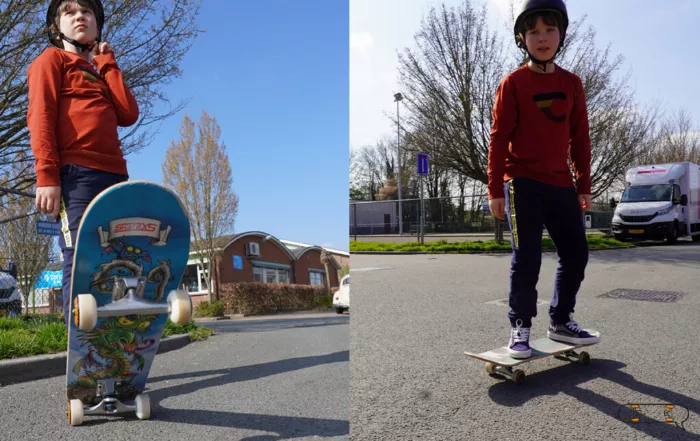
(180, 306)
(75, 412)
(143, 407)
(85, 312)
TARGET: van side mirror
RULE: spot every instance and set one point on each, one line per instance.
(613, 203)
(684, 200)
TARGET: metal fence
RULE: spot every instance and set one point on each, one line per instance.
(463, 216)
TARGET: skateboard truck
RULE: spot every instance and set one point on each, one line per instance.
(109, 405)
(127, 299)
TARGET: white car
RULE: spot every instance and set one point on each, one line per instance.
(10, 297)
(341, 299)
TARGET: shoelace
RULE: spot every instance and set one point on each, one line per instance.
(574, 326)
(519, 334)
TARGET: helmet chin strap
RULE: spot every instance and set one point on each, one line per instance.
(539, 63)
(82, 47)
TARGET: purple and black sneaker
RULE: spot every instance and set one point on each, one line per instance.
(571, 332)
(519, 345)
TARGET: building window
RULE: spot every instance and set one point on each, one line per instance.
(317, 278)
(270, 275)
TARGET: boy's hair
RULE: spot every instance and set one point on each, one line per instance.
(550, 18)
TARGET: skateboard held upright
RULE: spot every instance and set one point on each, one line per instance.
(131, 251)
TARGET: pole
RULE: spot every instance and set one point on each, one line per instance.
(422, 212)
(398, 148)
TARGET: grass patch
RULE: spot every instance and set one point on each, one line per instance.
(23, 337)
(468, 247)
(200, 333)
(35, 335)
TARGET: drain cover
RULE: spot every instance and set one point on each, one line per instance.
(644, 295)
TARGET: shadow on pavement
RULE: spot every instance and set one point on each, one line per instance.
(565, 380)
(285, 427)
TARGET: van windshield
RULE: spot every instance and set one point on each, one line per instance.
(647, 193)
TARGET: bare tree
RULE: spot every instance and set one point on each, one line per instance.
(197, 168)
(676, 139)
(19, 241)
(451, 77)
(149, 39)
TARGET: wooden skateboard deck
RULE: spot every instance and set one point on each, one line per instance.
(499, 361)
(131, 251)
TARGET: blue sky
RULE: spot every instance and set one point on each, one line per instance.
(653, 37)
(274, 73)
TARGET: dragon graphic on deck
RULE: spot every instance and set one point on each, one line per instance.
(113, 352)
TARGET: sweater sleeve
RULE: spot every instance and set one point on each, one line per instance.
(125, 105)
(505, 113)
(44, 78)
(580, 141)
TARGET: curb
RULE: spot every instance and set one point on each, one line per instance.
(474, 252)
(19, 370)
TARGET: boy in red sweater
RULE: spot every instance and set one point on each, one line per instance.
(539, 117)
(74, 109)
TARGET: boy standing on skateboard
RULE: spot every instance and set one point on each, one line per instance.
(74, 109)
(540, 118)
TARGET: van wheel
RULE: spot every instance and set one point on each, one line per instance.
(696, 238)
(620, 237)
(339, 310)
(672, 237)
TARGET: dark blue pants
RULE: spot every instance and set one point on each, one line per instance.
(79, 186)
(529, 206)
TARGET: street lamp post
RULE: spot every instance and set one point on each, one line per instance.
(398, 97)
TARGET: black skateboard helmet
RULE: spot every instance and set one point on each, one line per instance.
(56, 37)
(528, 7)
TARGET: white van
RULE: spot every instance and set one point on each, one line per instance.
(341, 299)
(659, 202)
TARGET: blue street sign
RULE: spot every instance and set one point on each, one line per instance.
(422, 163)
(48, 228)
(237, 262)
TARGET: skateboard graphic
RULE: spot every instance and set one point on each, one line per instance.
(131, 251)
(500, 363)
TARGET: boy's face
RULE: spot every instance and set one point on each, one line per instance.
(542, 40)
(77, 22)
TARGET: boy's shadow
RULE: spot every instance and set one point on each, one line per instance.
(285, 427)
(565, 379)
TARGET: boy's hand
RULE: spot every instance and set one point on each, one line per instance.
(101, 48)
(584, 200)
(48, 200)
(497, 207)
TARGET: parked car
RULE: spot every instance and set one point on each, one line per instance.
(341, 299)
(10, 297)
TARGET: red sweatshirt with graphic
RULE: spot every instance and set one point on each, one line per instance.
(538, 118)
(74, 111)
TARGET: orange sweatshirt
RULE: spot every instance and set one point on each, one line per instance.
(537, 118)
(74, 113)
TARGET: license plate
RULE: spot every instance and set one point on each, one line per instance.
(636, 231)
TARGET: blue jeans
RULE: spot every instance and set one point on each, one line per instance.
(529, 206)
(79, 186)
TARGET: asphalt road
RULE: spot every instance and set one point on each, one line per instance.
(260, 379)
(414, 316)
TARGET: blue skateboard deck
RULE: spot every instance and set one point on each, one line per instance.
(133, 229)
